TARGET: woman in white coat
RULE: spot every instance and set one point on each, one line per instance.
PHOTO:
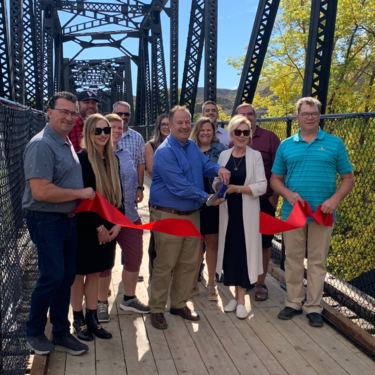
(240, 243)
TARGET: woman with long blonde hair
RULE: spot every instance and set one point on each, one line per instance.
(96, 236)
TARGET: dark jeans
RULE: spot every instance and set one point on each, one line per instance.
(55, 237)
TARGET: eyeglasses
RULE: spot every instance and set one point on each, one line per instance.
(126, 114)
(106, 130)
(308, 114)
(238, 132)
(65, 112)
(164, 124)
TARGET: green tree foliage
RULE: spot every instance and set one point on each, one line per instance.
(352, 81)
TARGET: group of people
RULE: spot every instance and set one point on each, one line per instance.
(80, 153)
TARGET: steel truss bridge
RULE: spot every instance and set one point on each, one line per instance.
(33, 65)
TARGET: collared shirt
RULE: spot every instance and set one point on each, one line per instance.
(76, 133)
(311, 168)
(177, 175)
(134, 143)
(223, 136)
(267, 143)
(49, 157)
(129, 182)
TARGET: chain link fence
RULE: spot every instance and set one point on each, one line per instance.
(350, 281)
(18, 261)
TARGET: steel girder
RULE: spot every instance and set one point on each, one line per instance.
(256, 52)
(160, 103)
(17, 49)
(6, 69)
(319, 50)
(210, 66)
(174, 52)
(193, 57)
(48, 36)
(38, 23)
(128, 88)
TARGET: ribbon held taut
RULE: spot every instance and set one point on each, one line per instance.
(175, 227)
(297, 219)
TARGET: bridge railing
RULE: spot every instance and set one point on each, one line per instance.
(350, 282)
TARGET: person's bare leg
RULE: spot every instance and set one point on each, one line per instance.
(91, 291)
(199, 262)
(240, 295)
(129, 280)
(76, 292)
(262, 278)
(211, 256)
(104, 284)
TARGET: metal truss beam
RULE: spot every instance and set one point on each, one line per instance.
(128, 87)
(160, 102)
(155, 5)
(210, 65)
(256, 52)
(193, 57)
(319, 50)
(30, 53)
(38, 23)
(6, 68)
(48, 36)
(134, 9)
(17, 49)
(174, 53)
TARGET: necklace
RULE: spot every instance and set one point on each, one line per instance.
(234, 162)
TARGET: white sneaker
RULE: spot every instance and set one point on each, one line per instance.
(231, 306)
(241, 312)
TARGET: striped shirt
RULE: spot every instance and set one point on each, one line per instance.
(134, 143)
(311, 168)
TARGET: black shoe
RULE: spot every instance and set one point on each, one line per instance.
(221, 280)
(80, 327)
(94, 326)
(40, 344)
(70, 345)
(315, 319)
(288, 312)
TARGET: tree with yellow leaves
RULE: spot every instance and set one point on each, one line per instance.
(352, 81)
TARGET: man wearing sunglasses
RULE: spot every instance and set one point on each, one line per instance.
(133, 142)
(53, 190)
(306, 168)
(87, 105)
(267, 143)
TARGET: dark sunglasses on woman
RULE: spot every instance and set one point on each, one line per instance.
(238, 132)
(106, 130)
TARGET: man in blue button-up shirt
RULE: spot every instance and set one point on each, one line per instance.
(177, 191)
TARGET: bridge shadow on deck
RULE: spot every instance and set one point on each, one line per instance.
(218, 344)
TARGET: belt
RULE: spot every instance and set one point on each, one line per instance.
(172, 210)
(52, 213)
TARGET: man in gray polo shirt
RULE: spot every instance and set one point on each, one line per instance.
(54, 188)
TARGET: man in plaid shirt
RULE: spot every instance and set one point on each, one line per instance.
(87, 105)
(133, 142)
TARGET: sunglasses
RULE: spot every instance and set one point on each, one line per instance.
(126, 114)
(106, 130)
(238, 132)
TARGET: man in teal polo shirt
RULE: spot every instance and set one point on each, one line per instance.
(308, 162)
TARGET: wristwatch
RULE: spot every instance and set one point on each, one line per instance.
(141, 188)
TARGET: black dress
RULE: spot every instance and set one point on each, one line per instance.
(209, 215)
(235, 259)
(91, 257)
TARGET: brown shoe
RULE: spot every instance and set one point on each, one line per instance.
(185, 313)
(158, 321)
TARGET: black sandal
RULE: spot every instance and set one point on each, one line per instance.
(258, 292)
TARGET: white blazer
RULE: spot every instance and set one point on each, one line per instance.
(256, 180)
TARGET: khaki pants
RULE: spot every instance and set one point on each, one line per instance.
(318, 238)
(179, 254)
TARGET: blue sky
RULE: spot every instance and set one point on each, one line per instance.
(235, 24)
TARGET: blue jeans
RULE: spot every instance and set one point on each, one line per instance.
(55, 237)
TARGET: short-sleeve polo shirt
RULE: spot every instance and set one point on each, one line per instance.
(311, 168)
(49, 157)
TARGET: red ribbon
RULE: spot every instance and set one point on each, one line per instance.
(175, 227)
(296, 219)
